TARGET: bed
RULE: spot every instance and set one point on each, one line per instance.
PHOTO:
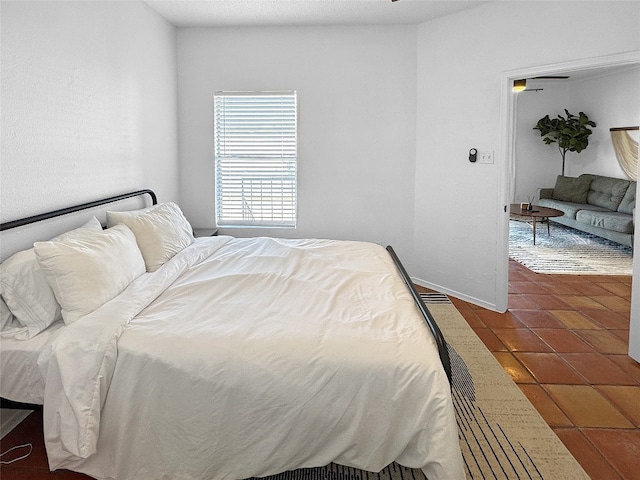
(223, 358)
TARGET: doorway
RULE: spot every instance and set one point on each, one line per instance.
(508, 146)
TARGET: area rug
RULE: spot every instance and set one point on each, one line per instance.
(567, 251)
(502, 436)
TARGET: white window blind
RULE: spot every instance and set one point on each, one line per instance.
(256, 158)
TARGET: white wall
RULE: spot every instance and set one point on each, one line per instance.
(356, 127)
(89, 104)
(460, 216)
(89, 109)
(606, 99)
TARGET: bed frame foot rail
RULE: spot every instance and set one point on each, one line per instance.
(433, 326)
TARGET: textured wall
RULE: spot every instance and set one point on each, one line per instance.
(89, 104)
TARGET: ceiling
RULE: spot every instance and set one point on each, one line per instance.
(247, 13)
(239, 13)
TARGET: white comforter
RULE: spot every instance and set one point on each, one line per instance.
(249, 357)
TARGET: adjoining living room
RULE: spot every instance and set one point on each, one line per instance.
(565, 337)
(578, 190)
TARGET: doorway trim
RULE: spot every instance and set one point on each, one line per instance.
(508, 103)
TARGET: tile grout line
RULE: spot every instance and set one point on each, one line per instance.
(583, 286)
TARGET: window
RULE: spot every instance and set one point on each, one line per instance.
(256, 158)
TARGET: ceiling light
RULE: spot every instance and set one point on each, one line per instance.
(519, 85)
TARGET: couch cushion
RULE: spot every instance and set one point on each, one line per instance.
(570, 209)
(628, 202)
(615, 221)
(571, 189)
(606, 192)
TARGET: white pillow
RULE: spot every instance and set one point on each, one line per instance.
(89, 270)
(25, 289)
(161, 231)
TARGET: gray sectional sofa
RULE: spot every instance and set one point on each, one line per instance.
(603, 206)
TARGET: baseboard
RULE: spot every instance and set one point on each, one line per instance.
(453, 293)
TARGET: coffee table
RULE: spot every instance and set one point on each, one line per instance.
(537, 214)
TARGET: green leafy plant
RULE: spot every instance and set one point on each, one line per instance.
(570, 133)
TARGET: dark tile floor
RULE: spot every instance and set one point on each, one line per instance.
(563, 341)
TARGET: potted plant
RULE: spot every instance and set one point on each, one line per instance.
(570, 133)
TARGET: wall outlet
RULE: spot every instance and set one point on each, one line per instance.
(485, 157)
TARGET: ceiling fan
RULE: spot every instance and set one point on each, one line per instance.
(520, 85)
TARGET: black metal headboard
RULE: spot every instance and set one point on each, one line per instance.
(76, 208)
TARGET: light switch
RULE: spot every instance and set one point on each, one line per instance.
(485, 157)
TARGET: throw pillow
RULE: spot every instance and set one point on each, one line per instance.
(571, 189)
